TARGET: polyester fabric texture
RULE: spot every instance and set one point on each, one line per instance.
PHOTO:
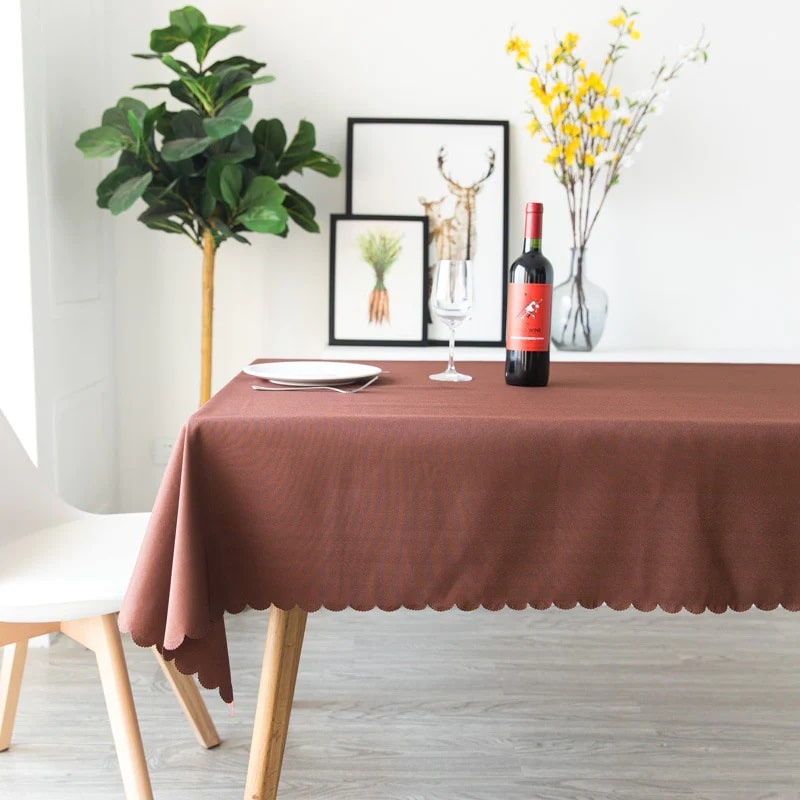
(646, 485)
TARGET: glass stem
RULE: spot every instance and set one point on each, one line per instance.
(451, 355)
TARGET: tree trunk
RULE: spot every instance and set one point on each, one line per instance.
(208, 312)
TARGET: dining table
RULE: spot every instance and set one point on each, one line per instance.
(645, 485)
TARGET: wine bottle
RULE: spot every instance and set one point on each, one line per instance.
(530, 290)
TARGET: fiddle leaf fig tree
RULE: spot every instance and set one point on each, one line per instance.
(200, 170)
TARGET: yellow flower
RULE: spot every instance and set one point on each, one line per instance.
(554, 154)
(559, 88)
(571, 129)
(537, 90)
(557, 53)
(599, 114)
(519, 47)
(548, 66)
(572, 147)
(588, 83)
(570, 42)
(598, 131)
(616, 93)
(634, 34)
(582, 65)
(533, 127)
(618, 21)
(588, 160)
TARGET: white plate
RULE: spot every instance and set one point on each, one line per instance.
(311, 373)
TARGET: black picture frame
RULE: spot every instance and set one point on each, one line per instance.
(439, 167)
(360, 312)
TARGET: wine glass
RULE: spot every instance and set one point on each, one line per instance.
(451, 302)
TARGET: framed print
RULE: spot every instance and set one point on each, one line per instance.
(378, 271)
(455, 172)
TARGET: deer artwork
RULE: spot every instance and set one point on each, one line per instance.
(441, 229)
(464, 213)
(454, 237)
(441, 234)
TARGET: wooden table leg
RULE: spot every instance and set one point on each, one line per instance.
(275, 692)
(191, 701)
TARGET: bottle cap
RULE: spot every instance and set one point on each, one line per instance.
(533, 220)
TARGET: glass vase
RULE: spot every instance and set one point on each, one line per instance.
(579, 308)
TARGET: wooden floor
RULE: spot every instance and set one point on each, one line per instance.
(555, 705)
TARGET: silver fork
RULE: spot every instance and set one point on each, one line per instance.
(319, 386)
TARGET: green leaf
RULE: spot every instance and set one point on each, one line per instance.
(187, 19)
(211, 85)
(187, 124)
(117, 117)
(180, 92)
(160, 221)
(262, 206)
(299, 148)
(208, 203)
(165, 40)
(136, 129)
(270, 140)
(152, 86)
(101, 142)
(236, 63)
(230, 185)
(214, 177)
(180, 149)
(241, 86)
(271, 135)
(264, 219)
(182, 68)
(229, 232)
(229, 119)
(191, 82)
(151, 119)
(236, 148)
(115, 179)
(128, 193)
(205, 37)
(263, 191)
(300, 209)
(323, 163)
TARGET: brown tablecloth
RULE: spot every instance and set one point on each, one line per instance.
(671, 485)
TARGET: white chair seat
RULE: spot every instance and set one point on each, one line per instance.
(52, 574)
(62, 569)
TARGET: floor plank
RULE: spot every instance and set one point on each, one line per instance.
(554, 705)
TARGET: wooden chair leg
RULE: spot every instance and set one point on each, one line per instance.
(275, 693)
(101, 635)
(10, 682)
(191, 701)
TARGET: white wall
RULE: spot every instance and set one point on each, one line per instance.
(17, 387)
(696, 246)
(71, 273)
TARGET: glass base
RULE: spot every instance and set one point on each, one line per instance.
(450, 375)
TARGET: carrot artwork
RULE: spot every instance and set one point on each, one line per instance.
(380, 249)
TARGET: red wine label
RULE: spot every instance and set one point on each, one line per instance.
(528, 316)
